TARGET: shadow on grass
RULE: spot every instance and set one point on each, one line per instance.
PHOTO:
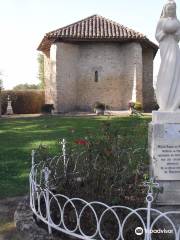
(19, 136)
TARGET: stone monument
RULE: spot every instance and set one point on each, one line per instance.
(9, 110)
(164, 130)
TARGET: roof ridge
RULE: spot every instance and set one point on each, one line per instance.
(72, 23)
(100, 16)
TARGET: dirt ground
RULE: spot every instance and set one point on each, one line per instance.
(7, 227)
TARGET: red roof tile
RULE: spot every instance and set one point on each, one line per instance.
(94, 28)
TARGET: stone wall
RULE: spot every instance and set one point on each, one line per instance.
(138, 72)
(60, 76)
(122, 69)
(67, 57)
(115, 65)
(50, 76)
(148, 90)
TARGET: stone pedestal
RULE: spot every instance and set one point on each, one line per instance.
(164, 149)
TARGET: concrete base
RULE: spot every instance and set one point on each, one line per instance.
(165, 117)
(169, 194)
(164, 150)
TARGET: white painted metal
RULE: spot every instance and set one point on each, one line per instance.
(37, 193)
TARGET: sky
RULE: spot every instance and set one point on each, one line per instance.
(23, 23)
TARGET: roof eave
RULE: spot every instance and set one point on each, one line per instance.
(47, 42)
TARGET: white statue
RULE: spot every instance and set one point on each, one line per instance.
(168, 81)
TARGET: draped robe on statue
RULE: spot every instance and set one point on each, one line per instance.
(168, 81)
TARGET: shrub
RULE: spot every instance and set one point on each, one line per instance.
(153, 106)
(24, 102)
(131, 104)
(107, 166)
(99, 105)
(138, 106)
(47, 108)
(135, 105)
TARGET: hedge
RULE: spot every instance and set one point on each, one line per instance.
(23, 102)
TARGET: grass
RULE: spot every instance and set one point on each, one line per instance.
(5, 227)
(19, 136)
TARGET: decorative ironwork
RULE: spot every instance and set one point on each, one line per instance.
(42, 199)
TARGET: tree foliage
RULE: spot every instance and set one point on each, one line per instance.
(26, 86)
(41, 76)
(1, 81)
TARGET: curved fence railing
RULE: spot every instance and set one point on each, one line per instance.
(96, 220)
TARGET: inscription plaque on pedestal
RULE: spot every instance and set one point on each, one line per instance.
(166, 152)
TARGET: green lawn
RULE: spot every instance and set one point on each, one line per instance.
(19, 136)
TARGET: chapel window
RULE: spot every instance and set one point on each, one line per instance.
(96, 76)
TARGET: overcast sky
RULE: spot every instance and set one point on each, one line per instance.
(23, 24)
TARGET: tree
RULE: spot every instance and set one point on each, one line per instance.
(1, 81)
(26, 86)
(41, 76)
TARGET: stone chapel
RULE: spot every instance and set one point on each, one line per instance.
(97, 59)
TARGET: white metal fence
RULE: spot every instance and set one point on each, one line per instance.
(151, 223)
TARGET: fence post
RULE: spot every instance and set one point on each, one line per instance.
(46, 176)
(32, 178)
(33, 155)
(149, 199)
(64, 155)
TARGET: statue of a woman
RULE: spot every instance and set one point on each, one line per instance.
(168, 81)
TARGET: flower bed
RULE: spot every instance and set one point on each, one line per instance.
(108, 167)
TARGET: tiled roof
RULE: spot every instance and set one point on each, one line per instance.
(94, 28)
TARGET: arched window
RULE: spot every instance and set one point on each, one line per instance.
(96, 76)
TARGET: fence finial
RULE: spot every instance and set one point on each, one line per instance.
(33, 155)
(46, 174)
(151, 184)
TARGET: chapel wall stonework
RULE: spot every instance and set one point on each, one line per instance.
(114, 63)
(148, 90)
(72, 67)
(47, 75)
(66, 76)
(50, 74)
(138, 71)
